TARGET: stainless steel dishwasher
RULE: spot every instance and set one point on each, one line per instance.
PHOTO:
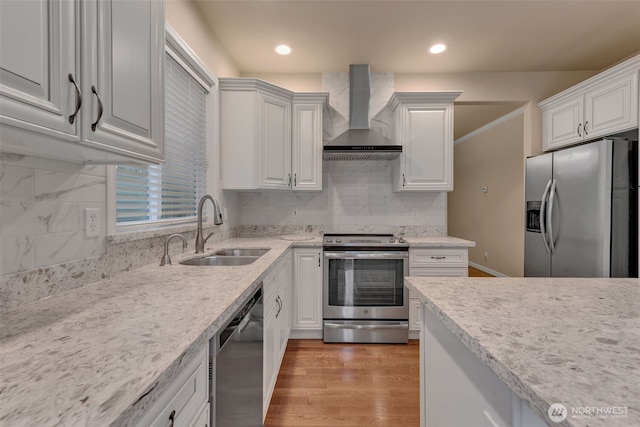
(236, 394)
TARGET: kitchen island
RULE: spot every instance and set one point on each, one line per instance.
(574, 342)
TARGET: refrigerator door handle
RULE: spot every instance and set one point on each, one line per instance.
(543, 231)
(552, 196)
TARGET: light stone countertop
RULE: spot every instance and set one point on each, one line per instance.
(439, 242)
(569, 341)
(102, 354)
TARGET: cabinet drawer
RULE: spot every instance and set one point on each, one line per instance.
(438, 258)
(186, 396)
(439, 272)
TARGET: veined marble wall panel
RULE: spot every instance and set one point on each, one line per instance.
(336, 119)
(357, 198)
(42, 212)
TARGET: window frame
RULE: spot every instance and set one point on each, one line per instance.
(179, 51)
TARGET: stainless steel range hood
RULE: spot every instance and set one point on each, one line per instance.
(360, 142)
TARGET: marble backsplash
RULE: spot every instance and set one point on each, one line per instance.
(43, 248)
(357, 197)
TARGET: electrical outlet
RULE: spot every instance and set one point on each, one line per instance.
(91, 222)
(486, 255)
(294, 212)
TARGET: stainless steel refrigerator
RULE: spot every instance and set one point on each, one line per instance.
(582, 211)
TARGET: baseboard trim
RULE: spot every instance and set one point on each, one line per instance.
(486, 269)
(301, 334)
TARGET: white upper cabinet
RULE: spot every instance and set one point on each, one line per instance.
(423, 125)
(274, 140)
(38, 70)
(602, 105)
(306, 158)
(85, 81)
(271, 138)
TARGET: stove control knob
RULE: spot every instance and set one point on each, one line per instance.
(338, 240)
(329, 240)
(402, 240)
(392, 240)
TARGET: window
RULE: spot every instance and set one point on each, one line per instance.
(170, 192)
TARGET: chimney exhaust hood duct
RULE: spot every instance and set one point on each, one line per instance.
(360, 142)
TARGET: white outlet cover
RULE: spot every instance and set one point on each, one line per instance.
(91, 222)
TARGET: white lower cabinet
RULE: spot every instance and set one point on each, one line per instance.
(277, 325)
(459, 390)
(185, 400)
(307, 293)
(433, 262)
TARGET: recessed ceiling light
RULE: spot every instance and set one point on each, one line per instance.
(282, 49)
(438, 48)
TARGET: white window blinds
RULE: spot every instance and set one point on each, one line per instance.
(169, 191)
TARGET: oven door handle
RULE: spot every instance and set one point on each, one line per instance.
(365, 255)
(361, 327)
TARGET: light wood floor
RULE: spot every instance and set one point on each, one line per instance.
(347, 385)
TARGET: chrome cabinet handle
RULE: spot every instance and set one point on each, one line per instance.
(585, 127)
(438, 257)
(172, 418)
(295, 179)
(318, 260)
(95, 124)
(579, 126)
(78, 99)
(404, 181)
(289, 180)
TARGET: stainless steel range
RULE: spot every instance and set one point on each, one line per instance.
(364, 295)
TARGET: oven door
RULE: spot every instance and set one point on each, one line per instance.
(365, 285)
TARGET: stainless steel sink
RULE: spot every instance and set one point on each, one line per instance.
(242, 252)
(221, 260)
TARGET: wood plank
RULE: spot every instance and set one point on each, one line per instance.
(347, 385)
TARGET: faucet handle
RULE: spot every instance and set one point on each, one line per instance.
(207, 238)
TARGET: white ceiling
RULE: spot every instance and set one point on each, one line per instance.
(394, 36)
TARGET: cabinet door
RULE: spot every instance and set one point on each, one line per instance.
(123, 77)
(37, 55)
(307, 147)
(611, 107)
(307, 289)
(275, 132)
(269, 374)
(562, 124)
(427, 136)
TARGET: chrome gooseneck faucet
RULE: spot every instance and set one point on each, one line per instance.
(217, 220)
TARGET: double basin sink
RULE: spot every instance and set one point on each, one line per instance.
(228, 257)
